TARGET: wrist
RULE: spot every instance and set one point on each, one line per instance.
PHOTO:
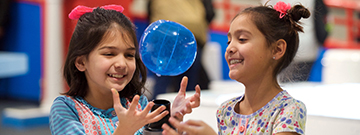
(179, 116)
(123, 131)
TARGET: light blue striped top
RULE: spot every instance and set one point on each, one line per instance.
(75, 116)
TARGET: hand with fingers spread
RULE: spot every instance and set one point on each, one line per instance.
(183, 105)
(131, 119)
(190, 127)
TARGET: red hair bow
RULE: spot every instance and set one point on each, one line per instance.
(78, 11)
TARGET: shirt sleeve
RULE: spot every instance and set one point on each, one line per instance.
(292, 118)
(64, 119)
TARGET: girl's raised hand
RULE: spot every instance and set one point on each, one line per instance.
(182, 105)
(190, 127)
(131, 120)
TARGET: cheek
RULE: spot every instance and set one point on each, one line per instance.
(103, 64)
(226, 55)
(96, 63)
(132, 66)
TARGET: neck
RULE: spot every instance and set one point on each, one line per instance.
(258, 94)
(99, 100)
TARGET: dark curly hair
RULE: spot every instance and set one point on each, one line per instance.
(88, 33)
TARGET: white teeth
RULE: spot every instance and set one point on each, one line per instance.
(235, 61)
(116, 76)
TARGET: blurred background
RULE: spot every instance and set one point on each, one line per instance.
(34, 36)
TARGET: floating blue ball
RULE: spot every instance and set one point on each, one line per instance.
(167, 48)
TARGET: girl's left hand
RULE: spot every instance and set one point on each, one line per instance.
(131, 119)
(182, 105)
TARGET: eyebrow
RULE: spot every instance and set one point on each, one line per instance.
(240, 31)
(115, 48)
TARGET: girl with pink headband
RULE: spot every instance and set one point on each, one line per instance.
(106, 78)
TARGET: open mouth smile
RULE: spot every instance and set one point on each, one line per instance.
(235, 61)
(116, 76)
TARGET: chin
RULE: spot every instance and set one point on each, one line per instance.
(118, 88)
(233, 75)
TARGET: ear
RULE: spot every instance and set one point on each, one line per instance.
(279, 49)
(80, 63)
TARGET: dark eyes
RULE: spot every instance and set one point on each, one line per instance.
(113, 54)
(241, 40)
(130, 55)
(108, 54)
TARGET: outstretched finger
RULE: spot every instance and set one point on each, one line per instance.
(134, 103)
(116, 98)
(195, 100)
(158, 117)
(155, 116)
(183, 86)
(148, 107)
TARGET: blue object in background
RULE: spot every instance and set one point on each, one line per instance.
(23, 36)
(222, 39)
(13, 64)
(316, 70)
(167, 48)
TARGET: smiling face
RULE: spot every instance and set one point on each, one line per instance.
(111, 64)
(248, 55)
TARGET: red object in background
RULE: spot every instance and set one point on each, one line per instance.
(68, 5)
(229, 11)
(352, 24)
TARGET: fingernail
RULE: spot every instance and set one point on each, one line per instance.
(113, 89)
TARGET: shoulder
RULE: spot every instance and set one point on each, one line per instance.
(228, 104)
(289, 103)
(62, 100)
(291, 116)
(64, 118)
(292, 109)
(63, 104)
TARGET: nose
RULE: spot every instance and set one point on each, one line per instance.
(120, 63)
(230, 49)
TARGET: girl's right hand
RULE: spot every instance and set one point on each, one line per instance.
(131, 120)
(190, 127)
(183, 105)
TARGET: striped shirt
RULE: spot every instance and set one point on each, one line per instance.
(74, 116)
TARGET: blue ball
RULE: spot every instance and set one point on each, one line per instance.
(167, 48)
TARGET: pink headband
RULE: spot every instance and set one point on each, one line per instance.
(282, 7)
(78, 11)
